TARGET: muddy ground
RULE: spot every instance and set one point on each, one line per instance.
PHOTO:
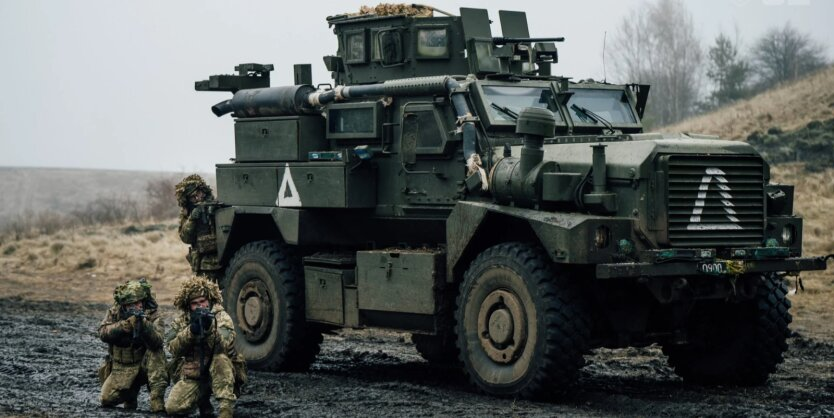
(49, 352)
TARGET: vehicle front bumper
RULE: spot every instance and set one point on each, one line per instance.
(700, 267)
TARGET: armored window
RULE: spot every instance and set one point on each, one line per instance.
(611, 105)
(422, 129)
(432, 42)
(516, 98)
(429, 134)
(353, 120)
(355, 50)
(375, 45)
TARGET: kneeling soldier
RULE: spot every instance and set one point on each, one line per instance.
(133, 331)
(202, 344)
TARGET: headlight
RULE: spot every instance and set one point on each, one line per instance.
(788, 234)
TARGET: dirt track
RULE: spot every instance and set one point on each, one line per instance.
(49, 355)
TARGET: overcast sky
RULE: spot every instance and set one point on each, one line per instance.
(110, 83)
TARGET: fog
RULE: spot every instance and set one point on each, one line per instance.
(110, 84)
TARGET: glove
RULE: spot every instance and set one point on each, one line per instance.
(206, 321)
(196, 213)
(127, 324)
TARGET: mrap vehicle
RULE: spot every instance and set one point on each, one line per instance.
(449, 185)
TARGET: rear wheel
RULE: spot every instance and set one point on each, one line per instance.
(265, 298)
(521, 328)
(736, 343)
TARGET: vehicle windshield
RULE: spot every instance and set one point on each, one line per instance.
(515, 98)
(611, 105)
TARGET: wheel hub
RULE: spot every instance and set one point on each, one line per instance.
(502, 326)
(254, 310)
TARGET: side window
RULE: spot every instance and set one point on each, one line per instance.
(432, 42)
(423, 131)
(429, 135)
(355, 47)
(375, 56)
(354, 120)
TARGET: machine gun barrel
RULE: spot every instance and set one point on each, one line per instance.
(503, 41)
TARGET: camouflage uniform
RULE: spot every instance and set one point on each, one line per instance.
(195, 382)
(133, 361)
(197, 226)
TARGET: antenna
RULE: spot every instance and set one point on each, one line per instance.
(604, 75)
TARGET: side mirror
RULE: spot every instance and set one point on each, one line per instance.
(390, 48)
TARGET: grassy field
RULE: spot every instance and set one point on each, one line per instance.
(788, 107)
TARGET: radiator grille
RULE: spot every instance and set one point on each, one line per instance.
(716, 201)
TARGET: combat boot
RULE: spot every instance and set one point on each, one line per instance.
(157, 401)
(227, 409)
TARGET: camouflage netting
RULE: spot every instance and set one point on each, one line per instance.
(132, 291)
(189, 186)
(194, 288)
(394, 9)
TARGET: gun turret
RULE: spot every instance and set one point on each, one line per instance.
(498, 41)
(249, 76)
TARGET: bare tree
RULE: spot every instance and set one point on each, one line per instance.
(784, 54)
(656, 44)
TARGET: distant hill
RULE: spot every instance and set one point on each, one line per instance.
(62, 190)
(788, 107)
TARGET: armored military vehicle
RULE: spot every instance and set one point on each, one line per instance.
(449, 185)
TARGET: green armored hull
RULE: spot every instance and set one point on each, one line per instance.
(512, 220)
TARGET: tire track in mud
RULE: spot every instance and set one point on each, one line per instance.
(49, 354)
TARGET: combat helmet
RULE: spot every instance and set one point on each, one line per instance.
(194, 288)
(132, 291)
(190, 185)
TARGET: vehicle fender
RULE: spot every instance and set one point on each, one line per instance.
(568, 238)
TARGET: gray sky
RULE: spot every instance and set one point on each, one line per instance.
(110, 83)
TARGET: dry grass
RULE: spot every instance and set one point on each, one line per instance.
(813, 309)
(790, 106)
(85, 264)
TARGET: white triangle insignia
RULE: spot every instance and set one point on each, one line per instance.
(287, 194)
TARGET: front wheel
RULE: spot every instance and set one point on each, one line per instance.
(265, 298)
(735, 343)
(522, 328)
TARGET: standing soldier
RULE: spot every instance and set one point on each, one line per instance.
(133, 331)
(196, 201)
(202, 346)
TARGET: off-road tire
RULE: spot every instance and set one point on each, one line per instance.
(436, 349)
(554, 312)
(288, 342)
(736, 343)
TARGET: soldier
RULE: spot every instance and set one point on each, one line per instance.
(194, 197)
(133, 331)
(202, 346)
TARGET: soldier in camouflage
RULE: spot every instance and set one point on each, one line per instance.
(201, 342)
(196, 229)
(133, 331)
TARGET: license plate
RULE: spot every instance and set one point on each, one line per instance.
(712, 268)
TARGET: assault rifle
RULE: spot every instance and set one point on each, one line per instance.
(140, 319)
